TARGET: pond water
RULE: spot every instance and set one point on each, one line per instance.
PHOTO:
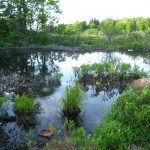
(42, 64)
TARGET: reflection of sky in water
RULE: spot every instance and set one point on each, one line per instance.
(89, 58)
(94, 107)
(66, 67)
(134, 60)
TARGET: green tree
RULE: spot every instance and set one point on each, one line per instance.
(94, 23)
(29, 13)
(109, 29)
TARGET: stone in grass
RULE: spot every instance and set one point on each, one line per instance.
(141, 83)
(46, 133)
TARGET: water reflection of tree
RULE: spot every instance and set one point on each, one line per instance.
(135, 54)
(3, 137)
(32, 64)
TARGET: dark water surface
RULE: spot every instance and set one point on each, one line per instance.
(42, 64)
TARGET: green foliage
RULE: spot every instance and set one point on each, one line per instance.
(112, 66)
(90, 40)
(26, 13)
(123, 33)
(19, 17)
(128, 122)
(54, 130)
(85, 68)
(124, 69)
(42, 38)
(90, 32)
(3, 100)
(58, 75)
(111, 135)
(136, 70)
(79, 138)
(73, 99)
(24, 104)
(93, 24)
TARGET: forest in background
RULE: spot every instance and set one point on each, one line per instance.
(123, 33)
(25, 23)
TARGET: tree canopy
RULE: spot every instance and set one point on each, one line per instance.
(26, 14)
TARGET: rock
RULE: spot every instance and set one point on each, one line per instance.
(46, 133)
(141, 83)
(134, 147)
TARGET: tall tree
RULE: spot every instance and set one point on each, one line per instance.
(109, 29)
(29, 13)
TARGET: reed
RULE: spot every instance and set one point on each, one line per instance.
(72, 100)
(24, 104)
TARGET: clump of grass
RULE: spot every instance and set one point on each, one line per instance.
(24, 104)
(72, 100)
(2, 100)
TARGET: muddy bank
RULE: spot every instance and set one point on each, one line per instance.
(56, 47)
(61, 48)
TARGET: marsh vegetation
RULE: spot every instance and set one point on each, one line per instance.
(42, 90)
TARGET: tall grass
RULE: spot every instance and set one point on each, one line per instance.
(72, 100)
(24, 104)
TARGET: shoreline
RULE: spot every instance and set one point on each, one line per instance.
(61, 48)
(56, 47)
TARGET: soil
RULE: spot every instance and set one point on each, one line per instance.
(141, 83)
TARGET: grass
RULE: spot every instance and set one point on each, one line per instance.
(24, 104)
(2, 100)
(72, 100)
(127, 124)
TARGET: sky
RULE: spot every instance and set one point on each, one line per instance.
(85, 10)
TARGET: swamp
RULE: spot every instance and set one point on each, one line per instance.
(42, 77)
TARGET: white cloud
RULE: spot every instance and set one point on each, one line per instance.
(79, 10)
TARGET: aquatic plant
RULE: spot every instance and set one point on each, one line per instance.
(72, 100)
(2, 100)
(24, 104)
(58, 75)
(85, 68)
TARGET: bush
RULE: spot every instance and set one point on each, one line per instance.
(128, 122)
(24, 104)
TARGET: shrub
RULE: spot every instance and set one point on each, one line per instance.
(24, 104)
(127, 122)
(72, 100)
(79, 138)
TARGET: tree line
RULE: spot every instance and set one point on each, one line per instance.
(27, 22)
(121, 25)
(122, 33)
